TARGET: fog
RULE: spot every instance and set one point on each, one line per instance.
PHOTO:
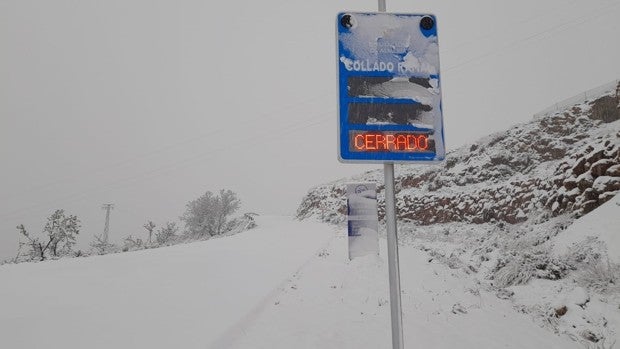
(148, 104)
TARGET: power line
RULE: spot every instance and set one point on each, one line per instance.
(260, 117)
(567, 24)
(514, 24)
(269, 135)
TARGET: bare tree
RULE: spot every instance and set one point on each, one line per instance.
(149, 226)
(61, 231)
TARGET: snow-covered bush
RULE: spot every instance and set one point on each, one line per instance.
(167, 234)
(100, 246)
(241, 224)
(132, 244)
(587, 252)
(602, 276)
(517, 267)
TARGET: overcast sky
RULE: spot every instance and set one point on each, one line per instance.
(148, 104)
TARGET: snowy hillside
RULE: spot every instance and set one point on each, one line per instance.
(499, 208)
(183, 296)
(568, 162)
(286, 284)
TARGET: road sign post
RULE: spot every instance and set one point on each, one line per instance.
(389, 107)
(393, 264)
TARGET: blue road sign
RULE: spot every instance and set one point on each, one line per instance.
(389, 88)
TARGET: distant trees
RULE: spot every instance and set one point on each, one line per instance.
(208, 215)
(60, 233)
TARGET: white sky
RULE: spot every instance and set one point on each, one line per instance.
(147, 104)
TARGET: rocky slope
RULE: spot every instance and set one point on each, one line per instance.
(568, 162)
(494, 210)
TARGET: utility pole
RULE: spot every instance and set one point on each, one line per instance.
(106, 229)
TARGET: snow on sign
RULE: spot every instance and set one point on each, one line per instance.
(390, 96)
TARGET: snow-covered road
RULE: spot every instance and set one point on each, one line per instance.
(185, 296)
(336, 303)
(286, 284)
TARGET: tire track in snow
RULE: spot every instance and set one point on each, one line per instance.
(230, 336)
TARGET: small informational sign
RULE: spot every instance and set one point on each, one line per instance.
(389, 88)
(363, 221)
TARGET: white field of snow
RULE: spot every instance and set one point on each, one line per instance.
(183, 296)
(286, 284)
(336, 303)
(603, 224)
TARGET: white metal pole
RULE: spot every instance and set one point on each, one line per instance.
(393, 269)
(392, 244)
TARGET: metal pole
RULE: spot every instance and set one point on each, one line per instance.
(106, 228)
(392, 244)
(381, 5)
(393, 269)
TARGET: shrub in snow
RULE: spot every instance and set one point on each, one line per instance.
(601, 276)
(101, 247)
(132, 244)
(240, 224)
(519, 266)
(590, 336)
(60, 232)
(167, 234)
(602, 344)
(587, 252)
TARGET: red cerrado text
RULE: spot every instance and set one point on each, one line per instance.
(397, 142)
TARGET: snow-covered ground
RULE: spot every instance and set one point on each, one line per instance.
(334, 303)
(601, 225)
(285, 284)
(185, 296)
